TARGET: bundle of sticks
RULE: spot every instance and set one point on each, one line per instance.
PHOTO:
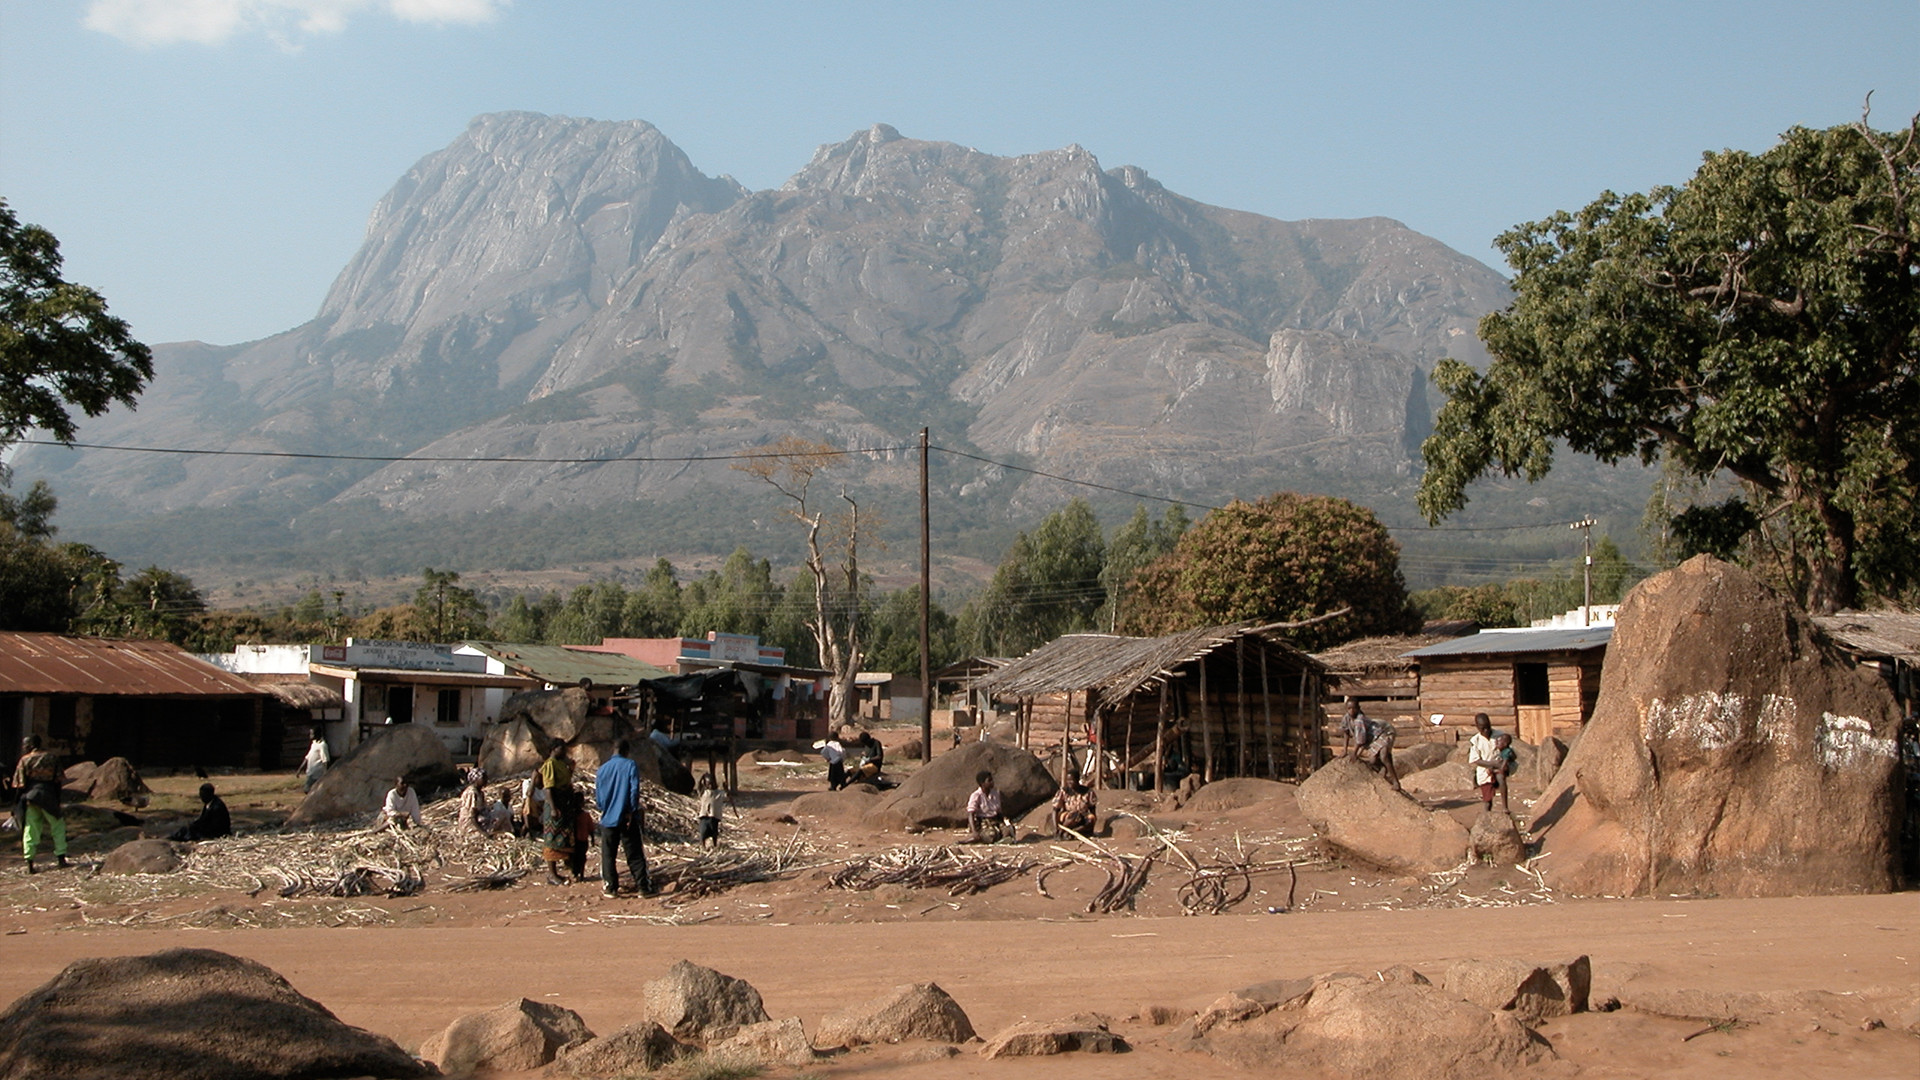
(960, 872)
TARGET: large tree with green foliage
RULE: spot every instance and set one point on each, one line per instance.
(58, 346)
(1762, 319)
(1047, 584)
(1286, 558)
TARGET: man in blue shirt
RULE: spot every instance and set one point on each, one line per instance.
(622, 817)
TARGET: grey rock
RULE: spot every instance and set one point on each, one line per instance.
(936, 795)
(913, 1011)
(142, 857)
(181, 1013)
(1532, 992)
(516, 1036)
(639, 1047)
(1080, 1033)
(699, 1003)
(1494, 838)
(1357, 812)
(771, 1042)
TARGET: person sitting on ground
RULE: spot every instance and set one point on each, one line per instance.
(318, 758)
(1073, 807)
(707, 808)
(500, 816)
(872, 756)
(983, 811)
(1371, 741)
(402, 808)
(37, 777)
(1483, 753)
(213, 822)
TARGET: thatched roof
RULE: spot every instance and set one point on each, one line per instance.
(302, 695)
(1117, 666)
(1376, 654)
(1890, 634)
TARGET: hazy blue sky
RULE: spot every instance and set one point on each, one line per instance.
(210, 164)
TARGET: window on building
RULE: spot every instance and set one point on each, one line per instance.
(1530, 685)
(448, 709)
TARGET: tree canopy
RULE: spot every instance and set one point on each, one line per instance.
(1048, 583)
(1762, 319)
(58, 345)
(1286, 558)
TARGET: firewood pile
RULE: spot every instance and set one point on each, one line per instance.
(960, 872)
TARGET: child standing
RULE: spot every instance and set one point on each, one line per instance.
(707, 807)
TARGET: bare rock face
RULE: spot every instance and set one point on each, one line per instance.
(1370, 1028)
(518, 1035)
(1234, 793)
(1495, 839)
(357, 783)
(185, 1014)
(1082, 1033)
(851, 801)
(1357, 812)
(913, 1011)
(116, 780)
(141, 857)
(513, 747)
(936, 795)
(1419, 757)
(558, 714)
(1532, 992)
(773, 1042)
(1732, 752)
(638, 1048)
(700, 1004)
(1446, 776)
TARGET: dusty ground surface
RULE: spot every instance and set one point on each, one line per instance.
(406, 966)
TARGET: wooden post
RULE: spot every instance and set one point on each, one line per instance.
(1126, 752)
(1266, 712)
(1160, 742)
(1240, 683)
(1097, 746)
(1206, 729)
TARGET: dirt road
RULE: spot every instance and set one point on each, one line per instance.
(409, 982)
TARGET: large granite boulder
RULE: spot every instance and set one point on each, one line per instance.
(513, 747)
(1358, 813)
(1083, 1033)
(557, 713)
(116, 780)
(142, 857)
(1235, 793)
(516, 1036)
(1733, 751)
(936, 795)
(756, 1046)
(700, 1004)
(1532, 992)
(634, 1050)
(185, 1014)
(913, 1011)
(357, 783)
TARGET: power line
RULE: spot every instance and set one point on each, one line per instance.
(1071, 480)
(446, 459)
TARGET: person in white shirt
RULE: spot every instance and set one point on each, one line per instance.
(318, 758)
(983, 811)
(1489, 765)
(402, 808)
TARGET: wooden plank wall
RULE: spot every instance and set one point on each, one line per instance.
(1460, 688)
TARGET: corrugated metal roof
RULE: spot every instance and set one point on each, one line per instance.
(562, 666)
(1505, 642)
(423, 678)
(60, 664)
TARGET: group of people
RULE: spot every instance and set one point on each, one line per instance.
(1490, 753)
(35, 792)
(866, 755)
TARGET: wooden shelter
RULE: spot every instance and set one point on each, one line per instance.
(1232, 700)
(1885, 641)
(1378, 673)
(1534, 682)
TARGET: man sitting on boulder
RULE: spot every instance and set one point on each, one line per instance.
(213, 822)
(1371, 740)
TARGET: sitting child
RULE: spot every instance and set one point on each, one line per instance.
(1073, 807)
(983, 811)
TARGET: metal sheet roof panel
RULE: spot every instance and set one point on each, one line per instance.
(1506, 642)
(562, 666)
(32, 663)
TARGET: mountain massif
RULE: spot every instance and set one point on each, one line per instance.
(551, 287)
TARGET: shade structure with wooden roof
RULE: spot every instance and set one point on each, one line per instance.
(1230, 700)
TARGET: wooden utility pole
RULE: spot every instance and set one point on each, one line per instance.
(1586, 571)
(926, 600)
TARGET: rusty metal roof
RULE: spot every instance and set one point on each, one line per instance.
(561, 666)
(60, 664)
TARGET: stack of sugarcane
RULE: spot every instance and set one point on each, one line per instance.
(959, 872)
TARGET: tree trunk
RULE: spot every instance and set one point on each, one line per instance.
(1831, 585)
